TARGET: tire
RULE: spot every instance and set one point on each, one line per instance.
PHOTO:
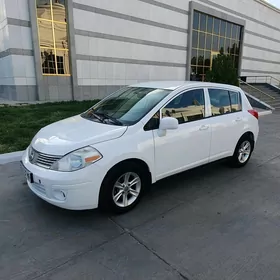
(115, 186)
(243, 152)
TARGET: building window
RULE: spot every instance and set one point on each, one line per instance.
(210, 35)
(53, 37)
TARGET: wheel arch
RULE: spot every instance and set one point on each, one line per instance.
(248, 134)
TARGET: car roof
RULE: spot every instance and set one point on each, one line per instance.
(172, 85)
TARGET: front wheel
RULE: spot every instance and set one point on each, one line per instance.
(243, 152)
(122, 188)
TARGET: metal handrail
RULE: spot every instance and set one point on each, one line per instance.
(267, 78)
(262, 92)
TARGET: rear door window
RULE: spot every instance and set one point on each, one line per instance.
(224, 101)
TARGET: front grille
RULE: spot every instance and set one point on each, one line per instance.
(42, 160)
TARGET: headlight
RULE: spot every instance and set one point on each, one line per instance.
(77, 160)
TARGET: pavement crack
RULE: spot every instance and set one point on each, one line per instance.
(158, 256)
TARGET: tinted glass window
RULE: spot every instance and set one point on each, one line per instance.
(187, 107)
(224, 102)
(220, 102)
(235, 100)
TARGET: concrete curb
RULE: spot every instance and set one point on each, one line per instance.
(10, 157)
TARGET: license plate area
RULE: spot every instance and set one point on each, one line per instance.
(28, 175)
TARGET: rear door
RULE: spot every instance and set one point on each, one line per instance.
(227, 122)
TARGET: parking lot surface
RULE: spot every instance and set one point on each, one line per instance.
(209, 223)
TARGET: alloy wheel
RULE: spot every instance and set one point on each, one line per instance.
(126, 189)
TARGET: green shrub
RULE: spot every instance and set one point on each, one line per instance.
(223, 70)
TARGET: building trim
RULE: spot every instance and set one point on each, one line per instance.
(128, 40)
(36, 47)
(15, 51)
(262, 36)
(18, 22)
(260, 60)
(165, 6)
(260, 48)
(128, 61)
(216, 13)
(72, 47)
(260, 71)
(127, 17)
(239, 14)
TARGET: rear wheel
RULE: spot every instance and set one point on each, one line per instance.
(243, 152)
(123, 187)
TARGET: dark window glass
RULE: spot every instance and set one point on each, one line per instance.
(227, 46)
(220, 101)
(187, 107)
(235, 101)
(200, 70)
(202, 22)
(223, 28)
(202, 40)
(153, 123)
(228, 33)
(206, 69)
(195, 39)
(215, 45)
(48, 61)
(63, 62)
(236, 62)
(208, 42)
(217, 26)
(200, 54)
(207, 58)
(234, 31)
(209, 24)
(237, 48)
(196, 20)
(238, 33)
(193, 68)
(194, 57)
(222, 44)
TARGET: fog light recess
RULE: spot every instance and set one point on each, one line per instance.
(59, 195)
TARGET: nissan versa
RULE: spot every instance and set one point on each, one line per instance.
(107, 156)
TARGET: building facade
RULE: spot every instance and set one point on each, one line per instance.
(85, 49)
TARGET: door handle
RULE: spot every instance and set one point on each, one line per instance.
(204, 127)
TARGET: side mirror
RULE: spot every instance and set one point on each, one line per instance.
(168, 123)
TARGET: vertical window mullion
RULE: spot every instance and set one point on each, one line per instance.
(54, 44)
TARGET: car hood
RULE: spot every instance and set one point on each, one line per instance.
(73, 133)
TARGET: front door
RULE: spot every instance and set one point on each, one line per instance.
(189, 145)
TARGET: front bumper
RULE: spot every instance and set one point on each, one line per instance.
(78, 190)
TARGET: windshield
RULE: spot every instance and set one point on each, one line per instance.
(126, 106)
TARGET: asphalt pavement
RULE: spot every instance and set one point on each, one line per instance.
(210, 223)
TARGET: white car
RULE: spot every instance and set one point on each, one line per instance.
(108, 156)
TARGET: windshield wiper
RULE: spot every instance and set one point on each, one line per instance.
(108, 117)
